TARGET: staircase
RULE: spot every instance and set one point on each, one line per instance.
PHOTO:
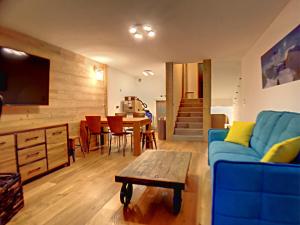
(189, 123)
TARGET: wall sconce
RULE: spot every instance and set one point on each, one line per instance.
(99, 73)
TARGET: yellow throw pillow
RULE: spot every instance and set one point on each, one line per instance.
(283, 152)
(240, 133)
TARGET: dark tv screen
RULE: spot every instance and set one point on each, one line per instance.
(24, 78)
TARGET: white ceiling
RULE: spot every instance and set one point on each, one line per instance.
(187, 30)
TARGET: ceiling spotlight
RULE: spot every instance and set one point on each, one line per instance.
(138, 36)
(151, 33)
(139, 31)
(148, 73)
(147, 28)
(132, 30)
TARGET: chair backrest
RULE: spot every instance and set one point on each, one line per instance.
(94, 123)
(115, 124)
(123, 114)
(138, 114)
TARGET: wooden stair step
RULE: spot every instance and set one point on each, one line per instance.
(191, 105)
(190, 119)
(188, 131)
(190, 114)
(188, 100)
(190, 109)
(189, 125)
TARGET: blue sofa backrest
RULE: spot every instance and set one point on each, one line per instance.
(287, 126)
(273, 127)
(265, 123)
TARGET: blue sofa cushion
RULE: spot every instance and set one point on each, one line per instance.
(219, 150)
(287, 126)
(256, 194)
(265, 123)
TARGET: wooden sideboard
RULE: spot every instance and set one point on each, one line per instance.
(34, 152)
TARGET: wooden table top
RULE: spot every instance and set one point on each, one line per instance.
(159, 168)
(129, 119)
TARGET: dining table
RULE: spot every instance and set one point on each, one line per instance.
(128, 122)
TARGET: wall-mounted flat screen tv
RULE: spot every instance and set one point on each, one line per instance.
(24, 78)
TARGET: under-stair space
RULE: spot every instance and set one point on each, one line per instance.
(189, 122)
(188, 100)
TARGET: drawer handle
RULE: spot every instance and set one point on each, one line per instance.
(34, 170)
(31, 139)
(56, 133)
(33, 154)
(2, 143)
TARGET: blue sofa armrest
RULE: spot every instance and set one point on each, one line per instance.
(256, 193)
(217, 135)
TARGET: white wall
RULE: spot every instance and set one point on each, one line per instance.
(224, 83)
(120, 84)
(151, 89)
(283, 97)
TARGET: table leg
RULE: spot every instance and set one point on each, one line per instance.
(71, 148)
(149, 144)
(176, 200)
(137, 140)
(126, 194)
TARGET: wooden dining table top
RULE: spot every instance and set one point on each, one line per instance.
(130, 120)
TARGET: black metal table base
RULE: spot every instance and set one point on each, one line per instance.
(177, 201)
(126, 194)
(127, 190)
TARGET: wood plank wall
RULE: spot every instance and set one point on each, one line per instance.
(74, 92)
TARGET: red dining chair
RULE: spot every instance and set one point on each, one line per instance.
(115, 124)
(94, 128)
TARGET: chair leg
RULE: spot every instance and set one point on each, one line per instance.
(154, 139)
(97, 143)
(149, 141)
(131, 143)
(89, 141)
(100, 137)
(82, 151)
(109, 150)
(143, 141)
(73, 155)
(125, 143)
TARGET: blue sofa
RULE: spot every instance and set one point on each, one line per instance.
(248, 192)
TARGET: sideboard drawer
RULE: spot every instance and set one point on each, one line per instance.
(29, 138)
(33, 169)
(56, 135)
(31, 154)
(7, 141)
(57, 155)
(7, 154)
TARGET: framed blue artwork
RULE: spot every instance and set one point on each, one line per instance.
(281, 64)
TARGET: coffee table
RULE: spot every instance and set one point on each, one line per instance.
(157, 168)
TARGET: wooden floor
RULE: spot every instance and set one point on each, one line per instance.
(85, 193)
